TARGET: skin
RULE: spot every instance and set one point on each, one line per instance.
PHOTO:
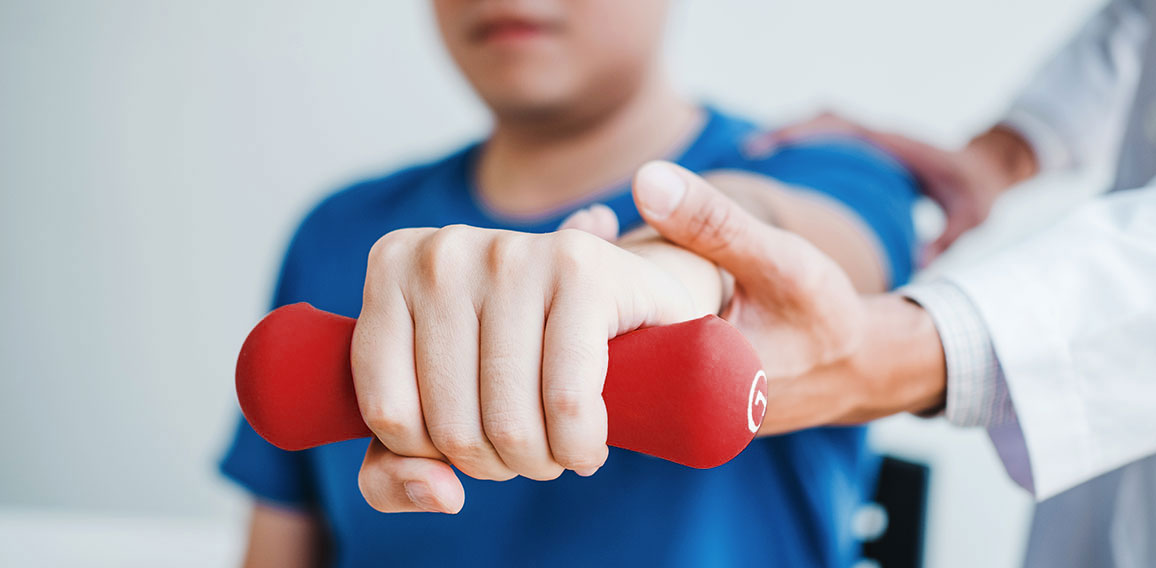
(841, 357)
(577, 105)
(965, 182)
(484, 349)
(283, 538)
(801, 310)
(486, 336)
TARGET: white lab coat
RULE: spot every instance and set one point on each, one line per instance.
(1072, 311)
(1097, 96)
(1072, 317)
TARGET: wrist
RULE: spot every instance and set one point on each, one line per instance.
(703, 280)
(901, 358)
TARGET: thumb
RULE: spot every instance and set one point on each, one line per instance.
(396, 484)
(688, 211)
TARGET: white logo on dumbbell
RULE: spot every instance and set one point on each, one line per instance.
(756, 397)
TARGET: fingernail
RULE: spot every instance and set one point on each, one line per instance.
(660, 189)
(586, 472)
(421, 495)
(601, 212)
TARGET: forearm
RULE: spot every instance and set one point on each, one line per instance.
(701, 277)
(896, 366)
(901, 352)
(281, 537)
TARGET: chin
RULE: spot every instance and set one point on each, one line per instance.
(529, 101)
(523, 109)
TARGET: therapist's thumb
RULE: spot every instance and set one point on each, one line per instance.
(688, 211)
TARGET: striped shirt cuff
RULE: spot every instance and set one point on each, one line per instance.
(977, 394)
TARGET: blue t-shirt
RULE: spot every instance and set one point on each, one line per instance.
(785, 501)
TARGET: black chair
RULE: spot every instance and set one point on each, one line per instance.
(902, 494)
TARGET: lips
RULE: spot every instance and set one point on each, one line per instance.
(511, 29)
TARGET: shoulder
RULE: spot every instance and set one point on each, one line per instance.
(802, 162)
(848, 168)
(846, 172)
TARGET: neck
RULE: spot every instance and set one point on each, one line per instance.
(533, 168)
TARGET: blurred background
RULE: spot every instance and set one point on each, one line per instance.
(155, 156)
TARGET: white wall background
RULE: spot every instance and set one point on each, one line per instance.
(154, 157)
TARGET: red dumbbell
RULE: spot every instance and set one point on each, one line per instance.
(691, 393)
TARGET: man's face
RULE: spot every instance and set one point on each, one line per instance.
(539, 58)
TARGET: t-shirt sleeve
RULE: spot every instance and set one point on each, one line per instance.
(264, 470)
(870, 183)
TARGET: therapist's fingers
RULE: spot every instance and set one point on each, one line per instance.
(598, 220)
(688, 211)
(824, 123)
(394, 484)
(794, 303)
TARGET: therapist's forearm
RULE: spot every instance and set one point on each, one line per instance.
(901, 360)
(897, 366)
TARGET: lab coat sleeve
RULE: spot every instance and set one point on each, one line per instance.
(1072, 318)
(976, 391)
(1072, 112)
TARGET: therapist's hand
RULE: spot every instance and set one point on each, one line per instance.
(831, 356)
(487, 350)
(964, 182)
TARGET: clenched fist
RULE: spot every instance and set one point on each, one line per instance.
(487, 350)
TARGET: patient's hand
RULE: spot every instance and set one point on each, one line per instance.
(487, 350)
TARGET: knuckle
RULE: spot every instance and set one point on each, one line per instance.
(457, 443)
(390, 250)
(505, 256)
(579, 459)
(564, 403)
(438, 261)
(387, 423)
(712, 227)
(549, 473)
(573, 251)
(394, 247)
(516, 441)
(455, 232)
(508, 433)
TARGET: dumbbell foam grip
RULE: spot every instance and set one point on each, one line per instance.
(691, 393)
